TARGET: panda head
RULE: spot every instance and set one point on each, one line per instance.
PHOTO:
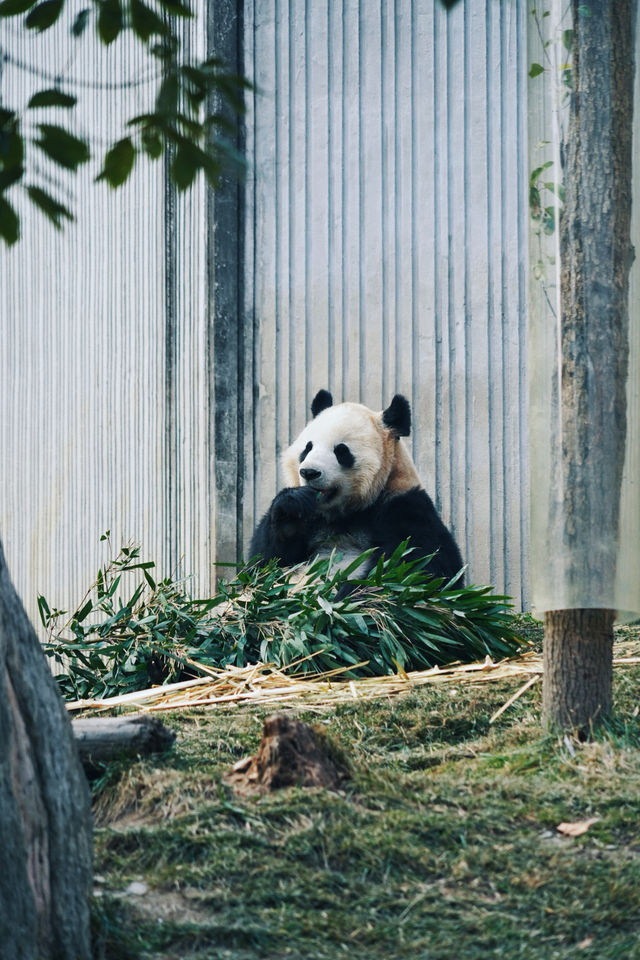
(350, 454)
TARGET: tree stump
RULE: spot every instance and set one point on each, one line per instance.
(45, 812)
(290, 754)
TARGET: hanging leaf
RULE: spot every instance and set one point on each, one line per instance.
(166, 48)
(538, 170)
(176, 8)
(80, 22)
(535, 205)
(44, 15)
(118, 163)
(144, 21)
(9, 176)
(110, 20)
(62, 147)
(52, 98)
(151, 142)
(11, 8)
(167, 99)
(549, 220)
(187, 161)
(196, 86)
(51, 208)
(9, 223)
(11, 150)
(536, 70)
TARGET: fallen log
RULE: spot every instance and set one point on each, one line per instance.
(100, 739)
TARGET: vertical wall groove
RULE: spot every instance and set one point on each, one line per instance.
(384, 250)
(170, 362)
(403, 231)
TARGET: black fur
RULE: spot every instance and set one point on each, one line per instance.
(288, 528)
(306, 450)
(343, 455)
(412, 515)
(397, 416)
(293, 529)
(321, 401)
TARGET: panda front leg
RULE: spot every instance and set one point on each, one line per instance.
(287, 529)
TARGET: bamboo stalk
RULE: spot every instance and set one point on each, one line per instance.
(505, 706)
(264, 684)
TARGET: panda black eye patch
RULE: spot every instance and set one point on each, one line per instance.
(305, 451)
(343, 455)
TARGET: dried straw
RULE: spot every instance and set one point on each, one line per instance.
(261, 684)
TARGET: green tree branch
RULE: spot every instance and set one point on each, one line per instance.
(190, 114)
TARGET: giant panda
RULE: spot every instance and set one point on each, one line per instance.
(352, 485)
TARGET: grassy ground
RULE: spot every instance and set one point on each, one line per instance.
(442, 846)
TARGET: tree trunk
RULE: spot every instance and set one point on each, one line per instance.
(45, 814)
(577, 674)
(596, 257)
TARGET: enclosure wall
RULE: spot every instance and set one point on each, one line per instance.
(387, 245)
(156, 360)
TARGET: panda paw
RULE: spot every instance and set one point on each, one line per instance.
(293, 509)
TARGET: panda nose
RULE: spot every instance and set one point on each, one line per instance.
(308, 473)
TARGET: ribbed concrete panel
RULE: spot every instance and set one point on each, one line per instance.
(150, 383)
(102, 348)
(388, 233)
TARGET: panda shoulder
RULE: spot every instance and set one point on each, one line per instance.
(414, 504)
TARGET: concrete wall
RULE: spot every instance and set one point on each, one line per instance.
(158, 355)
(387, 222)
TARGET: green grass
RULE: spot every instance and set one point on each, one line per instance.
(442, 846)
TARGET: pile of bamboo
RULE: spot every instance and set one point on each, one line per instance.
(262, 684)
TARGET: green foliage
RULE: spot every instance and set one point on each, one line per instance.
(51, 208)
(118, 162)
(52, 98)
(9, 223)
(11, 8)
(193, 119)
(398, 618)
(62, 147)
(546, 196)
(44, 15)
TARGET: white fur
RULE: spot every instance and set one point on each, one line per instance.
(357, 427)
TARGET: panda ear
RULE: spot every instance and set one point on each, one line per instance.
(397, 416)
(321, 401)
